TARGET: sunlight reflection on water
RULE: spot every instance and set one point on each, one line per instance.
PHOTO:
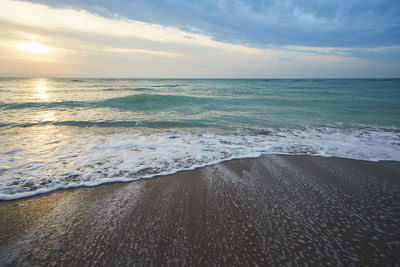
(42, 89)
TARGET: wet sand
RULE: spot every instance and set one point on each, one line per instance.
(270, 210)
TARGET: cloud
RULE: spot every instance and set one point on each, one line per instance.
(259, 23)
(92, 45)
(41, 16)
(99, 42)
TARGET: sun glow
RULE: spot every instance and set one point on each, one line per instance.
(34, 48)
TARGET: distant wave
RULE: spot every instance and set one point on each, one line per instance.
(142, 101)
(153, 101)
(24, 105)
(119, 124)
(142, 89)
(139, 89)
(167, 85)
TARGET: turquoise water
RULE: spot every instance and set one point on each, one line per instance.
(59, 133)
(226, 104)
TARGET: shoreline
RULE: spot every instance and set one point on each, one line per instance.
(274, 209)
(157, 176)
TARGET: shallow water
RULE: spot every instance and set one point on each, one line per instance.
(59, 133)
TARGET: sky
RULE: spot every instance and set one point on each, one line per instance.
(200, 39)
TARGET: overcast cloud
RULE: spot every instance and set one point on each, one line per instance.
(260, 23)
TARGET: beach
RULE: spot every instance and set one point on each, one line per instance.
(270, 210)
(199, 133)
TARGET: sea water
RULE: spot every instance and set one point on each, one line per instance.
(60, 133)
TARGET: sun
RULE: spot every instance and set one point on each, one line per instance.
(34, 48)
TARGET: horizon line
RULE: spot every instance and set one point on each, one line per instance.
(200, 78)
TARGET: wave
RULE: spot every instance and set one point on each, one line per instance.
(167, 85)
(139, 89)
(153, 101)
(46, 105)
(117, 124)
(143, 101)
(91, 159)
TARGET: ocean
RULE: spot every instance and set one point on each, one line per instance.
(62, 133)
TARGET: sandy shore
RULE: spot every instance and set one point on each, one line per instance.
(270, 210)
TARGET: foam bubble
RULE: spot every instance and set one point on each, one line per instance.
(41, 163)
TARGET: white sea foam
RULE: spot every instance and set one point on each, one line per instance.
(41, 163)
